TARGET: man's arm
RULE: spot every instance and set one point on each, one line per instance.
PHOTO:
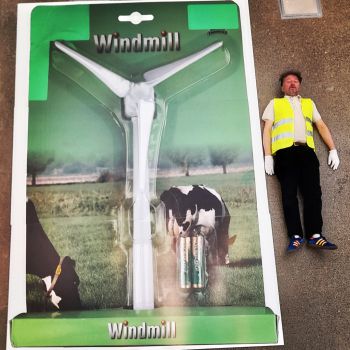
(268, 117)
(267, 137)
(269, 166)
(333, 159)
(325, 134)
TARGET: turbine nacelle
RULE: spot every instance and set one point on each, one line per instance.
(137, 92)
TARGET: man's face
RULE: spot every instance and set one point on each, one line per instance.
(291, 85)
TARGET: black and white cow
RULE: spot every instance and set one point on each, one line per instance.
(43, 260)
(197, 206)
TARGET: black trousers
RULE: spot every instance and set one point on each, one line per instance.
(297, 167)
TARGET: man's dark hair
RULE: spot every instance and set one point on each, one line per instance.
(290, 72)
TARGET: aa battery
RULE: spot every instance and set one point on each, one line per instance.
(184, 257)
(198, 262)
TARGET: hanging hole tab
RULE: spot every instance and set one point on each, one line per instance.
(135, 18)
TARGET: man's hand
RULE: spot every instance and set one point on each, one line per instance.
(269, 165)
(333, 159)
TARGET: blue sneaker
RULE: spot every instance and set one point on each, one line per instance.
(295, 243)
(321, 243)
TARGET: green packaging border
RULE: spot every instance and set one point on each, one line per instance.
(51, 23)
(211, 16)
(226, 325)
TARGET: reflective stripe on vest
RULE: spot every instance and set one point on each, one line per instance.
(282, 135)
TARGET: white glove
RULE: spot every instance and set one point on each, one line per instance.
(269, 165)
(333, 159)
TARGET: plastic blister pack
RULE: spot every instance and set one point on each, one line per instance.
(141, 115)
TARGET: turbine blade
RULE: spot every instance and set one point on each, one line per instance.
(157, 75)
(119, 85)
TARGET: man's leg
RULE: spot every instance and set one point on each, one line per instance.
(287, 171)
(310, 190)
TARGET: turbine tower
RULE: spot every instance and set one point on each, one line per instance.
(139, 105)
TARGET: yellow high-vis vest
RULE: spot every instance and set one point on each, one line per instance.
(282, 135)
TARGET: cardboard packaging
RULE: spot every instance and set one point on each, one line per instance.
(139, 207)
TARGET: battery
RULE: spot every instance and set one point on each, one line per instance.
(198, 262)
(184, 263)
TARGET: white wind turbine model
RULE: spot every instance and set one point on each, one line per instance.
(139, 105)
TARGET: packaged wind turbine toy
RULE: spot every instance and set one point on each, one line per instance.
(139, 209)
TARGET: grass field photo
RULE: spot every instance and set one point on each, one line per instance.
(79, 219)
